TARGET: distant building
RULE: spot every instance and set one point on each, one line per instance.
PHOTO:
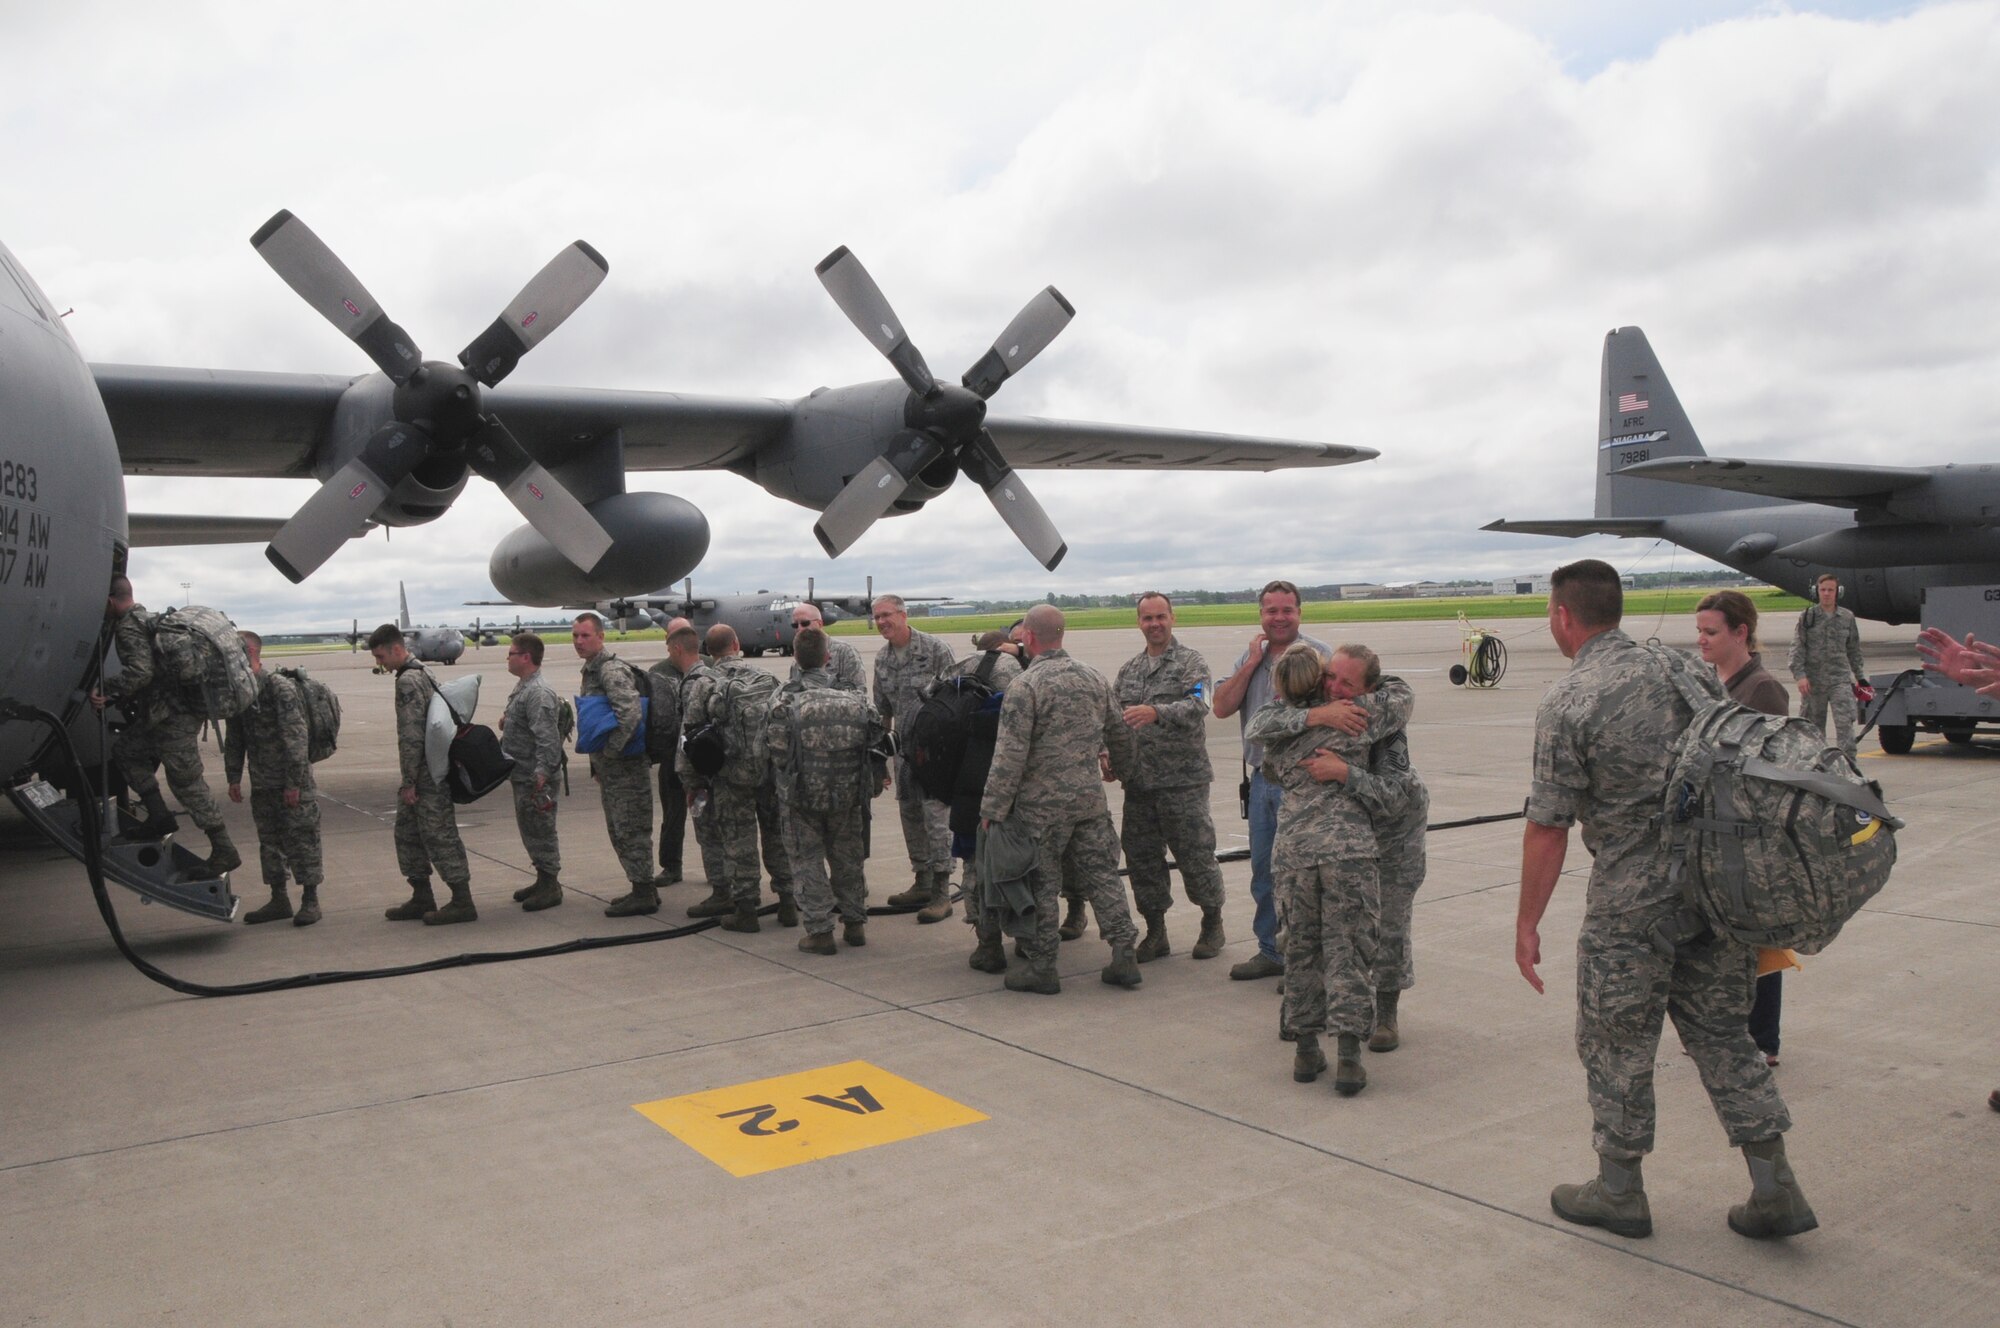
(1532, 583)
(951, 610)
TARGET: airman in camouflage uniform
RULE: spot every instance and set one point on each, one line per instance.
(1164, 691)
(426, 821)
(1604, 739)
(162, 728)
(843, 661)
(731, 819)
(624, 785)
(529, 734)
(962, 812)
(274, 734)
(1325, 858)
(1393, 794)
(907, 661)
(824, 806)
(1826, 663)
(1058, 727)
(669, 690)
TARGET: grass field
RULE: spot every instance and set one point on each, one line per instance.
(1478, 608)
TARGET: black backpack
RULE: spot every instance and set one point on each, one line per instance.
(478, 764)
(663, 730)
(934, 743)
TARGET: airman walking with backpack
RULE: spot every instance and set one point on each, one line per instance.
(727, 705)
(624, 782)
(530, 733)
(276, 735)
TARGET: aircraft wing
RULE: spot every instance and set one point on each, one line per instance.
(1629, 527)
(1801, 481)
(1035, 444)
(221, 422)
(151, 530)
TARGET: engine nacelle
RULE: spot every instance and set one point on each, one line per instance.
(425, 494)
(834, 434)
(656, 539)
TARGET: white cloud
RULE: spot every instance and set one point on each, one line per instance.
(1399, 225)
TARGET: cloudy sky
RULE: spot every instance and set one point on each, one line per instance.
(1401, 225)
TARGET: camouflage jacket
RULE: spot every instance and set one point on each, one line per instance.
(414, 691)
(608, 676)
(1173, 751)
(1316, 822)
(1057, 717)
(843, 667)
(1826, 648)
(137, 688)
(273, 734)
(528, 730)
(900, 676)
(781, 732)
(1384, 782)
(1604, 740)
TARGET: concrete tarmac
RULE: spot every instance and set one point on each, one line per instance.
(461, 1147)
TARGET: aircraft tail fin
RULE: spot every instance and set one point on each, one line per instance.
(1640, 419)
(402, 607)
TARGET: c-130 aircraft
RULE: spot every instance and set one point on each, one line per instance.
(1887, 532)
(396, 448)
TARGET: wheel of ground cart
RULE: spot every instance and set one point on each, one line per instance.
(1896, 739)
(1958, 733)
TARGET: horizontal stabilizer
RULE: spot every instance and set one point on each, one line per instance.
(1627, 527)
(1800, 481)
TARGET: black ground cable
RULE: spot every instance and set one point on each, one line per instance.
(1883, 703)
(92, 828)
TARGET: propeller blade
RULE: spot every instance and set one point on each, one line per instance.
(868, 309)
(556, 292)
(537, 495)
(982, 460)
(1039, 322)
(874, 491)
(323, 281)
(343, 505)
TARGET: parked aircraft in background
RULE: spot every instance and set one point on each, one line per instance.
(763, 621)
(432, 645)
(1888, 532)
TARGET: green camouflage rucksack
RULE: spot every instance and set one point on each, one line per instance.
(322, 709)
(740, 706)
(197, 653)
(833, 734)
(1774, 838)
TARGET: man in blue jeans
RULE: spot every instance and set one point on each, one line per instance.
(1243, 694)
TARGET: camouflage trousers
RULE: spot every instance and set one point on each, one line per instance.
(1086, 852)
(1625, 988)
(926, 824)
(727, 833)
(175, 743)
(826, 858)
(771, 831)
(1174, 818)
(537, 827)
(1839, 698)
(427, 835)
(287, 836)
(1329, 918)
(1400, 867)
(625, 787)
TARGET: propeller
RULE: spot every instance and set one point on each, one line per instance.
(945, 422)
(437, 406)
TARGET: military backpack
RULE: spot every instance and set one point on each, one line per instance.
(935, 741)
(197, 652)
(834, 733)
(1773, 838)
(322, 709)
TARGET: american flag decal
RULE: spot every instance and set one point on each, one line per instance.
(1630, 403)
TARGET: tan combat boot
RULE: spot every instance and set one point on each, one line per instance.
(1123, 970)
(719, 904)
(1385, 1037)
(1349, 1077)
(854, 933)
(1308, 1062)
(457, 909)
(989, 957)
(1073, 921)
(817, 942)
(1777, 1205)
(1209, 944)
(1154, 944)
(277, 910)
(1615, 1200)
(640, 900)
(546, 892)
(743, 919)
(917, 895)
(308, 906)
(420, 902)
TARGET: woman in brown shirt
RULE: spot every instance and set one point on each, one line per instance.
(1725, 624)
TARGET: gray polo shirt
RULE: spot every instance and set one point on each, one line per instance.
(1259, 693)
